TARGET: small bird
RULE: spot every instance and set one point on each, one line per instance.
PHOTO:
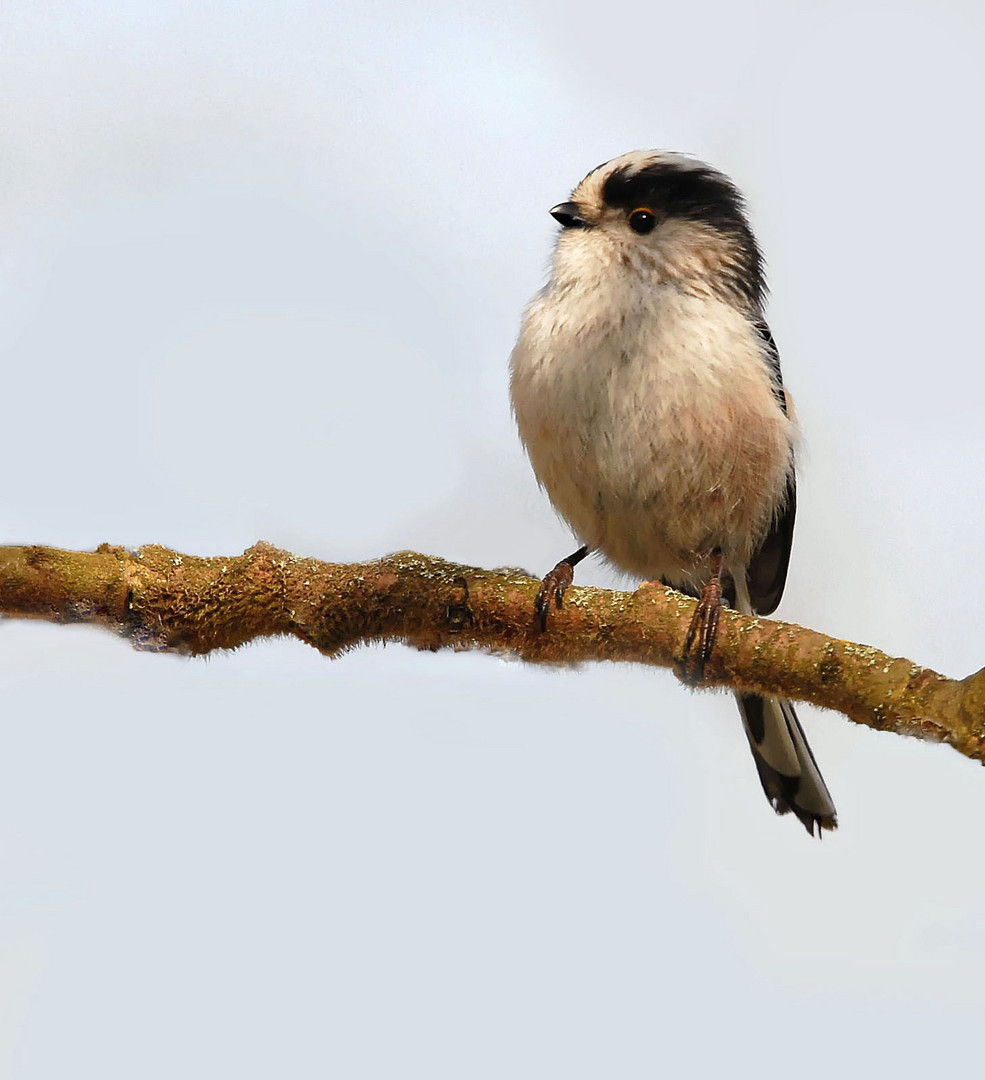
(646, 388)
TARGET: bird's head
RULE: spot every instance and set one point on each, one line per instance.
(666, 217)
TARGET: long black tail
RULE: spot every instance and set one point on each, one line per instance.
(787, 769)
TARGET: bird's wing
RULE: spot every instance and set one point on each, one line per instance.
(767, 572)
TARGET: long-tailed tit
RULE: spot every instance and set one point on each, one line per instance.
(647, 391)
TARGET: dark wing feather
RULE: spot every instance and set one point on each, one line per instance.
(771, 354)
(767, 573)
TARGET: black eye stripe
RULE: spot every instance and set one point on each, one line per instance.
(642, 220)
(692, 192)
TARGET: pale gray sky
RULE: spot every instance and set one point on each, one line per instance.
(262, 268)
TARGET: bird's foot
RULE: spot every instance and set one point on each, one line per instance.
(703, 630)
(554, 586)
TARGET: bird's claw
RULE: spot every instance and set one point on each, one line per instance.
(703, 631)
(553, 587)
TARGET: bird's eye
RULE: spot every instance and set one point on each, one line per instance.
(642, 220)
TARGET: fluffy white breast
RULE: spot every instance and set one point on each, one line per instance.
(649, 415)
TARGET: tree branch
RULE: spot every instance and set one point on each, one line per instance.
(162, 600)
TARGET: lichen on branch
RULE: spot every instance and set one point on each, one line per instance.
(166, 601)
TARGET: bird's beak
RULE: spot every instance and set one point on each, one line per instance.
(568, 214)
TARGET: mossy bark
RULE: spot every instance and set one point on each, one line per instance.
(163, 600)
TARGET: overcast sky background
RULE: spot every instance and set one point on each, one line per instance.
(262, 268)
